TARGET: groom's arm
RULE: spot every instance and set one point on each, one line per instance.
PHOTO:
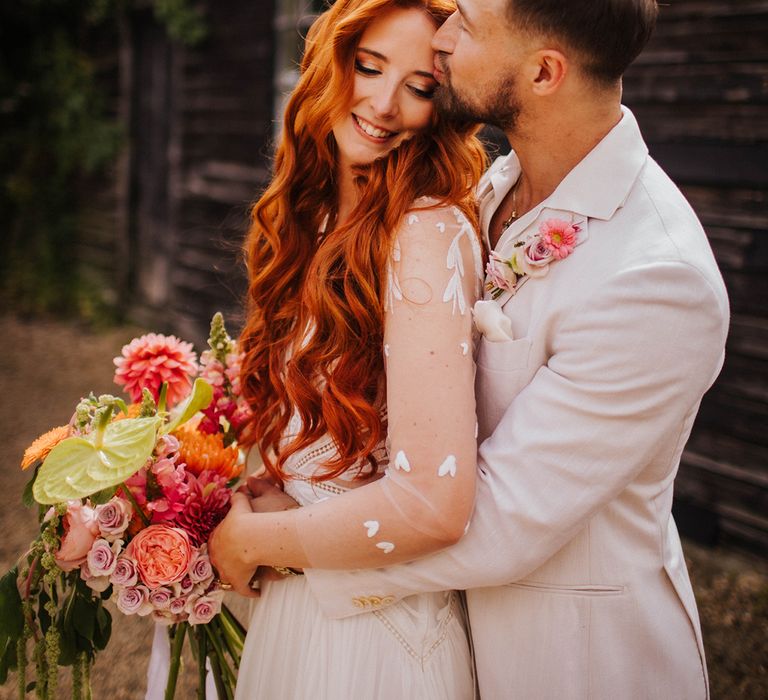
(626, 374)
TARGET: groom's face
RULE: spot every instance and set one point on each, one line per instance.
(479, 57)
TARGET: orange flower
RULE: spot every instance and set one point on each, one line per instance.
(134, 409)
(202, 452)
(40, 448)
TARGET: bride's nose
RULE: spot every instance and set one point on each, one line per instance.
(384, 102)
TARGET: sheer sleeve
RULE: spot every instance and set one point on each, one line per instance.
(425, 498)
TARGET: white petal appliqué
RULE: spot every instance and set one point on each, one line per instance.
(401, 462)
(386, 349)
(448, 466)
(464, 348)
(385, 547)
(372, 527)
(441, 226)
(412, 219)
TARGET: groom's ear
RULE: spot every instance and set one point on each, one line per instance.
(548, 70)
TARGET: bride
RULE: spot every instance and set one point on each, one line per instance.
(364, 264)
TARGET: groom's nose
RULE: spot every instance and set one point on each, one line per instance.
(444, 39)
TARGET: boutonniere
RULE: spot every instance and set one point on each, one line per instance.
(554, 240)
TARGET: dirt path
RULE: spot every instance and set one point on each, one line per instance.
(47, 366)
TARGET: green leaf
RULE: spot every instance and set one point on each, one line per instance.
(7, 658)
(79, 466)
(26, 497)
(11, 615)
(103, 496)
(103, 628)
(201, 396)
(84, 617)
(68, 647)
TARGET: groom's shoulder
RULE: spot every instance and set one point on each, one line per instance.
(664, 221)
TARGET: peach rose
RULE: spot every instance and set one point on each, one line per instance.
(162, 555)
(81, 528)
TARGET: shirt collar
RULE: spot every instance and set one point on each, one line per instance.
(595, 188)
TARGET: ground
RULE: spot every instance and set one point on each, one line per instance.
(49, 365)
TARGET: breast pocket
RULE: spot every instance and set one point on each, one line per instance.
(505, 356)
(503, 370)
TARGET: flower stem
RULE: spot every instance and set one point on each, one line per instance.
(202, 655)
(173, 672)
(132, 499)
(220, 666)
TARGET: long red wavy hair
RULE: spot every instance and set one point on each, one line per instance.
(315, 318)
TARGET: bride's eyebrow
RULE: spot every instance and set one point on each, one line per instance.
(382, 57)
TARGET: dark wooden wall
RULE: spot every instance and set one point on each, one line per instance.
(700, 93)
(161, 236)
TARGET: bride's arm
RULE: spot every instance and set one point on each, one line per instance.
(424, 501)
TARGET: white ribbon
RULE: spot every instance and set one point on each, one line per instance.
(160, 664)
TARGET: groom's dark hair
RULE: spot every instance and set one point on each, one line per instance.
(608, 34)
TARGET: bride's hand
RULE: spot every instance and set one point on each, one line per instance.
(265, 497)
(226, 551)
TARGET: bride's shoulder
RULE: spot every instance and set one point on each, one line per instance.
(430, 212)
(437, 238)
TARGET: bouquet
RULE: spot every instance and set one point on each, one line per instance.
(127, 497)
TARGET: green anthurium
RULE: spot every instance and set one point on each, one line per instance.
(80, 466)
(199, 398)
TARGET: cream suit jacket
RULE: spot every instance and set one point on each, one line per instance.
(576, 583)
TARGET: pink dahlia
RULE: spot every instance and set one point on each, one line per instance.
(559, 237)
(152, 359)
(206, 505)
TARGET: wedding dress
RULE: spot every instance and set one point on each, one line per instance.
(416, 648)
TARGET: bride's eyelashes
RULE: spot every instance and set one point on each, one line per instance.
(425, 93)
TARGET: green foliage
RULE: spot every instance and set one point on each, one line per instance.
(56, 130)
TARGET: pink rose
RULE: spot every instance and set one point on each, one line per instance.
(113, 518)
(200, 570)
(102, 557)
(203, 609)
(162, 554)
(80, 532)
(125, 573)
(500, 274)
(534, 258)
(178, 605)
(161, 598)
(559, 237)
(95, 583)
(134, 600)
(183, 587)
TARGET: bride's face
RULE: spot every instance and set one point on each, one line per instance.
(393, 87)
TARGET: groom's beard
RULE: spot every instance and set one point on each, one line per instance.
(501, 108)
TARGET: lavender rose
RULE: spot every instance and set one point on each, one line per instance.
(125, 573)
(183, 587)
(133, 600)
(205, 608)
(161, 598)
(178, 605)
(200, 570)
(113, 518)
(95, 583)
(102, 557)
(534, 258)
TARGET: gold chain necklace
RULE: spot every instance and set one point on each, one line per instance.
(508, 222)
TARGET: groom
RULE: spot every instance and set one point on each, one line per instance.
(589, 373)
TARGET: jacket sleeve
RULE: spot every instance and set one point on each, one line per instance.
(625, 376)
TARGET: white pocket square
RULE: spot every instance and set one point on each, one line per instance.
(491, 321)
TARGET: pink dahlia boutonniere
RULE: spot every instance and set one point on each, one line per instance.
(555, 240)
